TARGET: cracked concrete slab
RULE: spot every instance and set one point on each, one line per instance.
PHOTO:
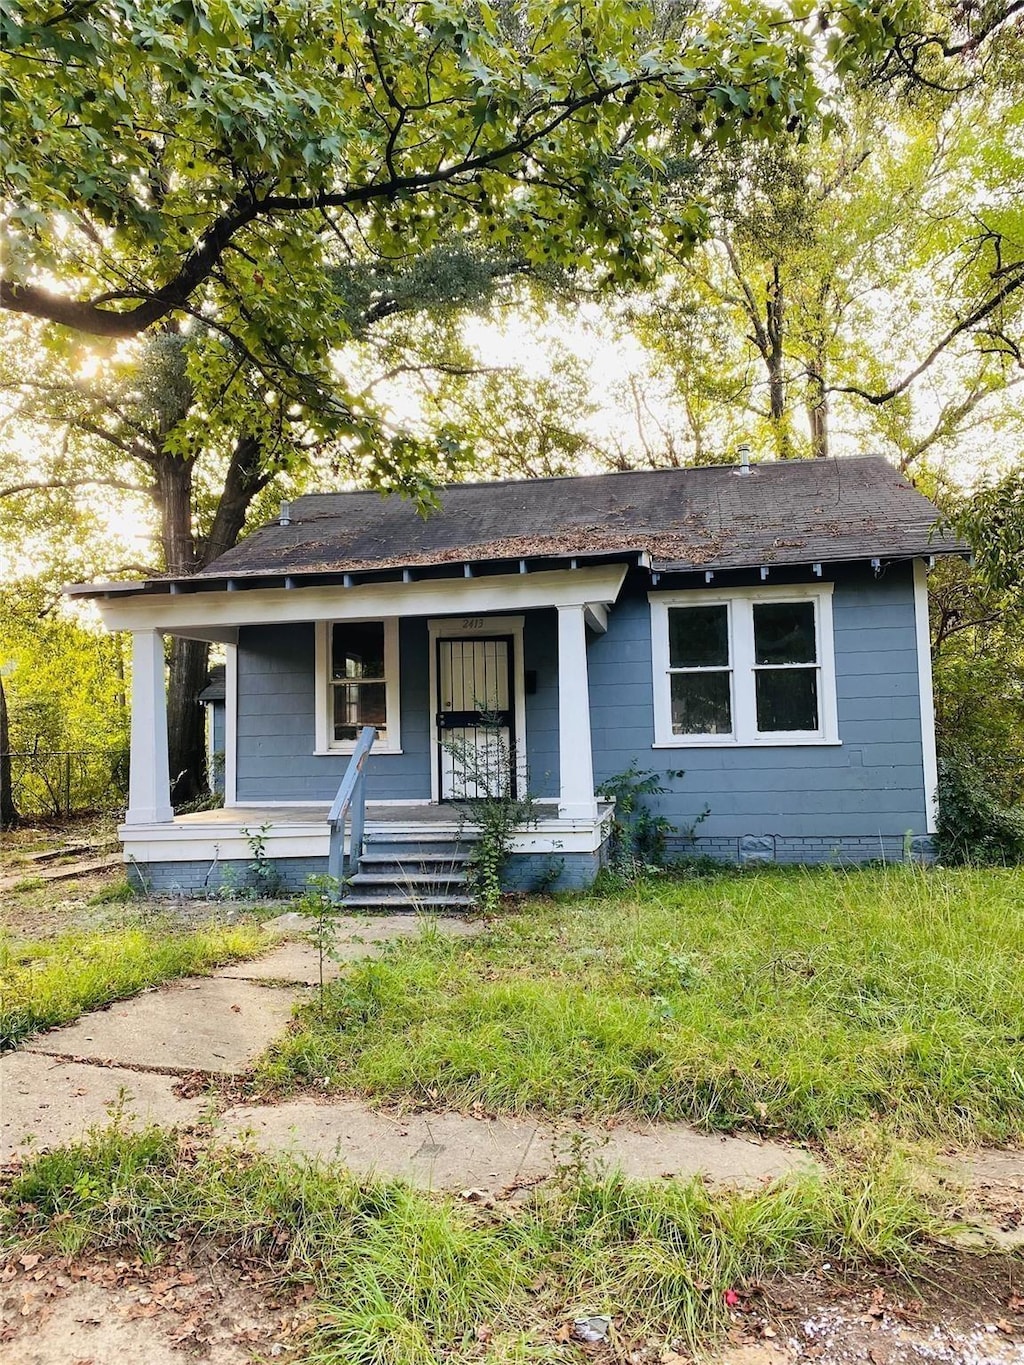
(992, 1182)
(355, 937)
(213, 1024)
(48, 1102)
(294, 962)
(456, 1151)
(437, 1151)
(382, 928)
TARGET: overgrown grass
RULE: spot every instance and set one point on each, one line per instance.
(55, 980)
(404, 1278)
(792, 1002)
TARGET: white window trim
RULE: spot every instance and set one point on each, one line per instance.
(740, 602)
(323, 743)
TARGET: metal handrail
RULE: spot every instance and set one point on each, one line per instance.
(350, 805)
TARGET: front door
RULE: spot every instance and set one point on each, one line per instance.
(476, 717)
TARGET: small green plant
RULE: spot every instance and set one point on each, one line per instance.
(490, 776)
(664, 970)
(321, 905)
(115, 894)
(228, 886)
(264, 879)
(638, 835)
(28, 884)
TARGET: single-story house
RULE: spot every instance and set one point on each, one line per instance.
(756, 634)
(213, 698)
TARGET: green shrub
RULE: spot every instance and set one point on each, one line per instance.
(974, 826)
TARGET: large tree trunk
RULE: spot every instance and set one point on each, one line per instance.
(189, 659)
(774, 358)
(8, 810)
(184, 555)
(186, 731)
(817, 407)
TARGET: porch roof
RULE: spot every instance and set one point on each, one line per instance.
(792, 512)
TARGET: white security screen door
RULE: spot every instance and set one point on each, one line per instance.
(475, 718)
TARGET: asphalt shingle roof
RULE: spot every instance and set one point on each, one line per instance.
(792, 512)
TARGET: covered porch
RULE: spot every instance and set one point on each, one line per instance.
(191, 854)
(286, 744)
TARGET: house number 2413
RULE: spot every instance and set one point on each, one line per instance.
(472, 623)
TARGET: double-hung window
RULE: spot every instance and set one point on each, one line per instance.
(755, 666)
(357, 684)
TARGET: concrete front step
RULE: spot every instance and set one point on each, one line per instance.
(401, 899)
(428, 834)
(412, 869)
(408, 859)
(407, 878)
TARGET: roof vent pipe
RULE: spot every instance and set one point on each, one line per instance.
(744, 453)
(286, 518)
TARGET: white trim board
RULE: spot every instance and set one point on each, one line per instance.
(230, 724)
(187, 612)
(196, 842)
(924, 684)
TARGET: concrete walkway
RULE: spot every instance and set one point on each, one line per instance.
(131, 1057)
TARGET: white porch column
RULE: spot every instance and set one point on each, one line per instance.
(149, 782)
(576, 799)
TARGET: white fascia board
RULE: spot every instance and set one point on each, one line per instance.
(370, 601)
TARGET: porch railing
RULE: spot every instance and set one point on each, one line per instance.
(350, 807)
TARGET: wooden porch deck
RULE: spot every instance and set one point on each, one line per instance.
(378, 815)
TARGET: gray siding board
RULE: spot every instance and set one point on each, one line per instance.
(869, 786)
(872, 783)
(540, 656)
(276, 721)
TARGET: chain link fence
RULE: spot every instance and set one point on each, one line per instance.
(60, 782)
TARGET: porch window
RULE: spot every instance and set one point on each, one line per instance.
(754, 666)
(357, 684)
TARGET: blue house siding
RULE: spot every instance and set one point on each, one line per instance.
(856, 799)
(540, 654)
(276, 721)
(276, 718)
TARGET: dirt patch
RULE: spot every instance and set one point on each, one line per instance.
(34, 905)
(959, 1310)
(102, 1310)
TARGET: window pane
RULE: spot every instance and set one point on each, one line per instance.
(701, 704)
(358, 704)
(784, 633)
(698, 637)
(787, 699)
(357, 650)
